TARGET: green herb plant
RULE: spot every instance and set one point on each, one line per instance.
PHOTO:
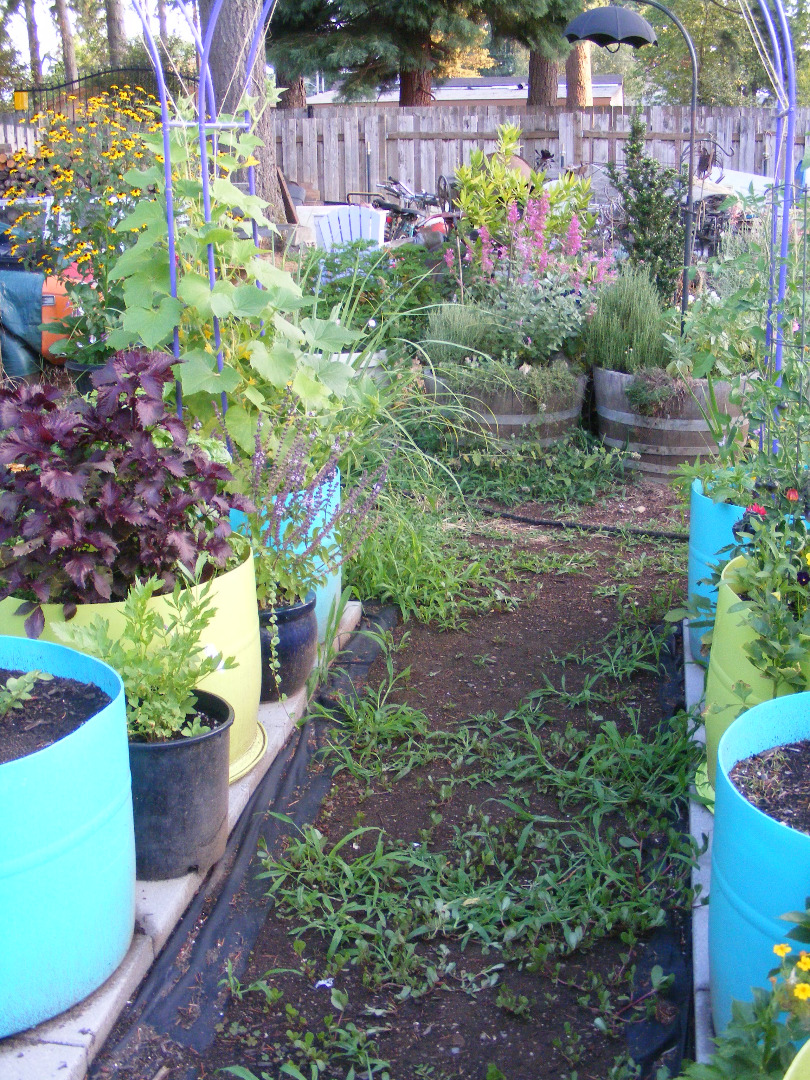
(17, 690)
(160, 656)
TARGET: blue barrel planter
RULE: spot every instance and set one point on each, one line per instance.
(711, 527)
(759, 866)
(67, 851)
(327, 593)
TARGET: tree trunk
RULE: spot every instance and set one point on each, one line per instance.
(228, 60)
(163, 29)
(415, 87)
(295, 94)
(33, 43)
(66, 34)
(542, 81)
(578, 88)
(116, 32)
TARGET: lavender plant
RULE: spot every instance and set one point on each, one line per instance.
(298, 532)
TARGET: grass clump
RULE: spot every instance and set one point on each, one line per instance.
(627, 330)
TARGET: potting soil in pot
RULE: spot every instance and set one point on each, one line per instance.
(55, 707)
(776, 782)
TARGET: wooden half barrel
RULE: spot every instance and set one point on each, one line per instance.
(661, 442)
(505, 414)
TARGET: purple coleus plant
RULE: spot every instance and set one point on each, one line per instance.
(96, 494)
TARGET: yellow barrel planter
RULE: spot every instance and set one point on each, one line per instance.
(234, 631)
(733, 684)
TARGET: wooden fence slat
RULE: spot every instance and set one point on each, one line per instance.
(351, 147)
(331, 160)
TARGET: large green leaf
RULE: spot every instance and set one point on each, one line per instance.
(241, 427)
(289, 330)
(194, 290)
(146, 213)
(153, 326)
(328, 334)
(197, 374)
(249, 301)
(310, 390)
(276, 364)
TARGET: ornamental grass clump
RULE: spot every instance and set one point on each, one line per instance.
(95, 494)
(626, 332)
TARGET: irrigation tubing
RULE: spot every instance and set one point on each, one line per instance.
(574, 526)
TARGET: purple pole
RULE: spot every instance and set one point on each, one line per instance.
(167, 175)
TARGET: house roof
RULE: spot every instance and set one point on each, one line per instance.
(481, 88)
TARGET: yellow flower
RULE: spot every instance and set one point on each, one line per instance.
(782, 950)
(802, 991)
(803, 963)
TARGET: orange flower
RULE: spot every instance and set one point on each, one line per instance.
(792, 495)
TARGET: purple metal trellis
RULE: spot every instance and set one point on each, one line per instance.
(207, 123)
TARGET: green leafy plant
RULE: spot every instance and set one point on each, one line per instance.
(17, 689)
(626, 332)
(160, 656)
(650, 196)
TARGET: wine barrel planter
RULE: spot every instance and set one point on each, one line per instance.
(661, 442)
(506, 414)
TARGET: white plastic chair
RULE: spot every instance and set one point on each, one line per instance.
(347, 223)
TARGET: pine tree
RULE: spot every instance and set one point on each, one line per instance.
(650, 198)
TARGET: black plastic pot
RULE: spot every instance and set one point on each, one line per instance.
(81, 374)
(180, 798)
(297, 649)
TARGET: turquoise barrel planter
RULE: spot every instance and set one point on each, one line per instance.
(67, 851)
(759, 866)
(711, 527)
(330, 590)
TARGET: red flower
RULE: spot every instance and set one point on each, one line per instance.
(792, 495)
(755, 508)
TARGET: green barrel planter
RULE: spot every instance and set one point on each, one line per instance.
(729, 667)
(67, 851)
(759, 866)
(800, 1068)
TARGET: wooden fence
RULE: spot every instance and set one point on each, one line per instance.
(344, 148)
(340, 149)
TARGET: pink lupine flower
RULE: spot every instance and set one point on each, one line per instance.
(512, 214)
(573, 238)
(486, 249)
(601, 268)
(450, 259)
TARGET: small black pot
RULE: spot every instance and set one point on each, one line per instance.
(82, 374)
(180, 797)
(297, 649)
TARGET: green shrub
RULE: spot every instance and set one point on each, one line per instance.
(454, 331)
(626, 332)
